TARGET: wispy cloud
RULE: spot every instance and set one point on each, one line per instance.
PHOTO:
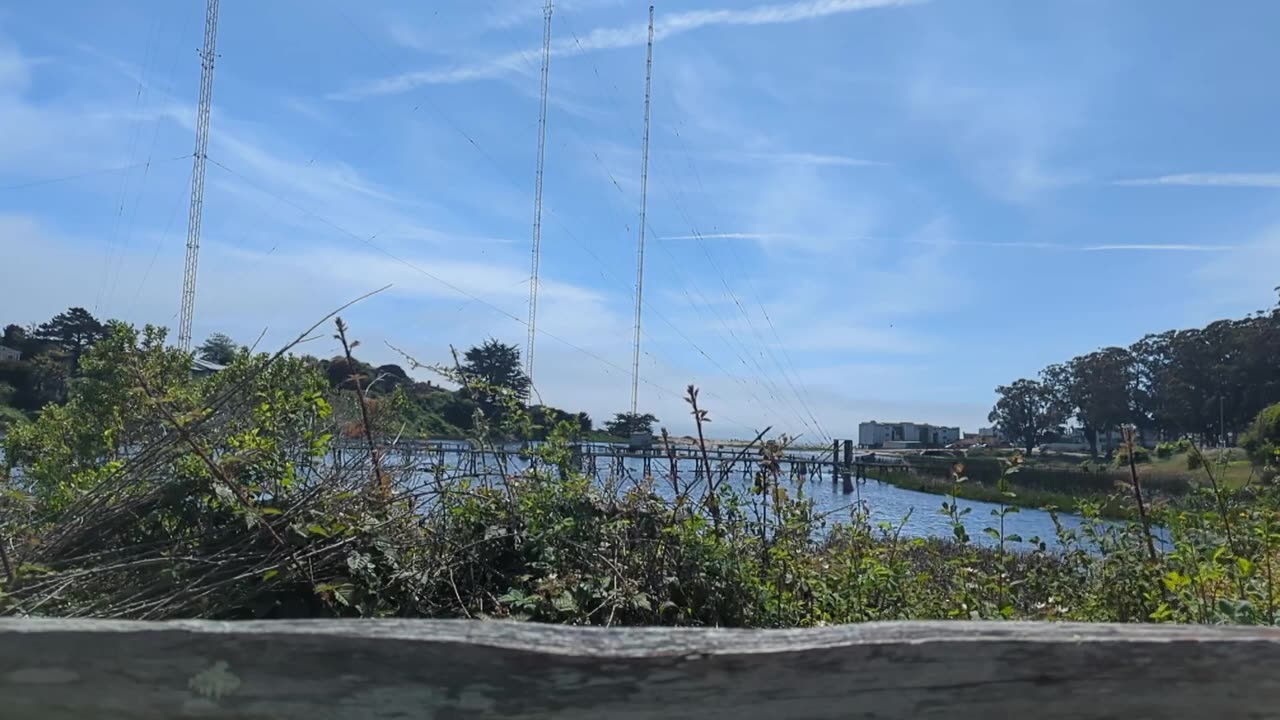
(516, 12)
(1116, 247)
(1157, 247)
(1244, 180)
(726, 236)
(613, 38)
(804, 158)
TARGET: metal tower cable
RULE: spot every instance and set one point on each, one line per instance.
(537, 194)
(207, 54)
(644, 198)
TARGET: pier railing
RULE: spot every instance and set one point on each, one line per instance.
(317, 670)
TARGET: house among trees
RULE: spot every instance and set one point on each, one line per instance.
(204, 368)
(8, 354)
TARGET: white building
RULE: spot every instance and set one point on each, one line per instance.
(905, 435)
(989, 435)
(9, 354)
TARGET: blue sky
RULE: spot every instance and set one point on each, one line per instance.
(858, 209)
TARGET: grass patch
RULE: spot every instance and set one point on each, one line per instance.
(1236, 473)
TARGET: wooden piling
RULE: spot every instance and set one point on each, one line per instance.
(846, 474)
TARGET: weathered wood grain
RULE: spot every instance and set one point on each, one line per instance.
(315, 670)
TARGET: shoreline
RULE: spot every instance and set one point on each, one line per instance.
(1111, 507)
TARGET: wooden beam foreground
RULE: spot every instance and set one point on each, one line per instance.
(315, 670)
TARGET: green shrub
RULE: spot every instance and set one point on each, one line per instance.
(1262, 440)
(1194, 461)
(1140, 455)
(1166, 450)
(10, 416)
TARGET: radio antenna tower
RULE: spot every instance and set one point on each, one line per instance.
(644, 199)
(537, 194)
(207, 54)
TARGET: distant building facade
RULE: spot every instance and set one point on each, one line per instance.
(905, 435)
(8, 354)
(990, 432)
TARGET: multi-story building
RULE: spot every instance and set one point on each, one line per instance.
(905, 435)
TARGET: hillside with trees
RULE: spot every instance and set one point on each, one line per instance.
(487, 377)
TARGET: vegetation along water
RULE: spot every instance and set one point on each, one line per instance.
(140, 485)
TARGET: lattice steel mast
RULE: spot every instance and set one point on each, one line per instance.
(207, 54)
(537, 194)
(644, 198)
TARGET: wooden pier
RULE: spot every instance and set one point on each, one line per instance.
(842, 464)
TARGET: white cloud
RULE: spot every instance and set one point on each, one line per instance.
(515, 12)
(617, 38)
(1157, 247)
(1239, 180)
(1064, 247)
(804, 158)
(726, 236)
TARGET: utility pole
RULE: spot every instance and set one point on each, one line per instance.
(207, 54)
(1222, 424)
(644, 199)
(537, 194)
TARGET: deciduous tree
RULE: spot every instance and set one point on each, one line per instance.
(1028, 412)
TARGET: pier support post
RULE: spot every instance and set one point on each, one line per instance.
(846, 474)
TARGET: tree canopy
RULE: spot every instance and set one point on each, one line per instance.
(1028, 412)
(624, 424)
(1208, 382)
(218, 348)
(51, 353)
(497, 365)
(74, 331)
(495, 376)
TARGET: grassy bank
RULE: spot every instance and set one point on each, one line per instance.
(1043, 482)
(1112, 504)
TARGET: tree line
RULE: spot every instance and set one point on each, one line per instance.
(1208, 383)
(490, 377)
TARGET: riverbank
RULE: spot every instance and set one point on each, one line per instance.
(1114, 505)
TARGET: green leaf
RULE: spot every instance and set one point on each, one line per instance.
(318, 529)
(270, 574)
(345, 594)
(271, 511)
(512, 596)
(1245, 565)
(1014, 537)
(992, 532)
(565, 603)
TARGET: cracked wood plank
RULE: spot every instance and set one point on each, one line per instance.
(60, 669)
